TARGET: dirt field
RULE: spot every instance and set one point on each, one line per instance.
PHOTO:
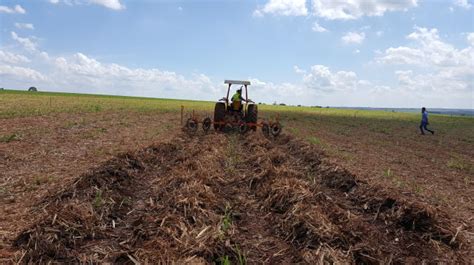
(119, 184)
(196, 199)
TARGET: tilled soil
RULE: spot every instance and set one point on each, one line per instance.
(244, 199)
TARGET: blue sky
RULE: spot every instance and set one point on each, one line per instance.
(386, 53)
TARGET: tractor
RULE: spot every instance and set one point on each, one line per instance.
(235, 115)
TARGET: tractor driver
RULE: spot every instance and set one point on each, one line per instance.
(237, 100)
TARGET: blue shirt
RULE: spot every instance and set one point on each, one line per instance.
(424, 117)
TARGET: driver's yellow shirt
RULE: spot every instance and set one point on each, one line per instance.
(236, 97)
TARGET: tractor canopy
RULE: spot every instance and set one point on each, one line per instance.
(237, 82)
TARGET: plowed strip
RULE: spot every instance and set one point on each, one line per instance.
(244, 199)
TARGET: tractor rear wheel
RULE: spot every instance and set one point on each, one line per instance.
(252, 116)
(219, 115)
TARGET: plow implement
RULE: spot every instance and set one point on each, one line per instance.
(236, 114)
(194, 121)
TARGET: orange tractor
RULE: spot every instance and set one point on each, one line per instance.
(233, 115)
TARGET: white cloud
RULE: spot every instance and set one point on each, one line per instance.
(430, 51)
(321, 78)
(431, 82)
(353, 38)
(111, 4)
(80, 70)
(379, 33)
(17, 9)
(281, 93)
(355, 9)
(12, 58)
(22, 74)
(82, 73)
(299, 70)
(463, 3)
(401, 55)
(323, 86)
(27, 43)
(257, 13)
(24, 26)
(283, 8)
(318, 28)
(470, 38)
(436, 65)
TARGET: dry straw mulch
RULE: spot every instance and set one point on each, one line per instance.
(244, 199)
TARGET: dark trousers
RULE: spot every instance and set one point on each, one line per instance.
(423, 126)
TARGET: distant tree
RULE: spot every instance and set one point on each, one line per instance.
(1, 88)
(274, 103)
(32, 89)
(299, 105)
(282, 104)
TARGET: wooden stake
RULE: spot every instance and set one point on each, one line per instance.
(182, 113)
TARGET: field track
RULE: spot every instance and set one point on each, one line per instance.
(212, 198)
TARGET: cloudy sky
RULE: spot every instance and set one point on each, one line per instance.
(376, 53)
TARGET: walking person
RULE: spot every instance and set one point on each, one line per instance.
(424, 121)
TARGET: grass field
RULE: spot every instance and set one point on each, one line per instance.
(48, 139)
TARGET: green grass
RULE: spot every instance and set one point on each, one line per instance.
(388, 173)
(23, 104)
(314, 140)
(98, 200)
(226, 219)
(459, 164)
(9, 138)
(224, 260)
(240, 256)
